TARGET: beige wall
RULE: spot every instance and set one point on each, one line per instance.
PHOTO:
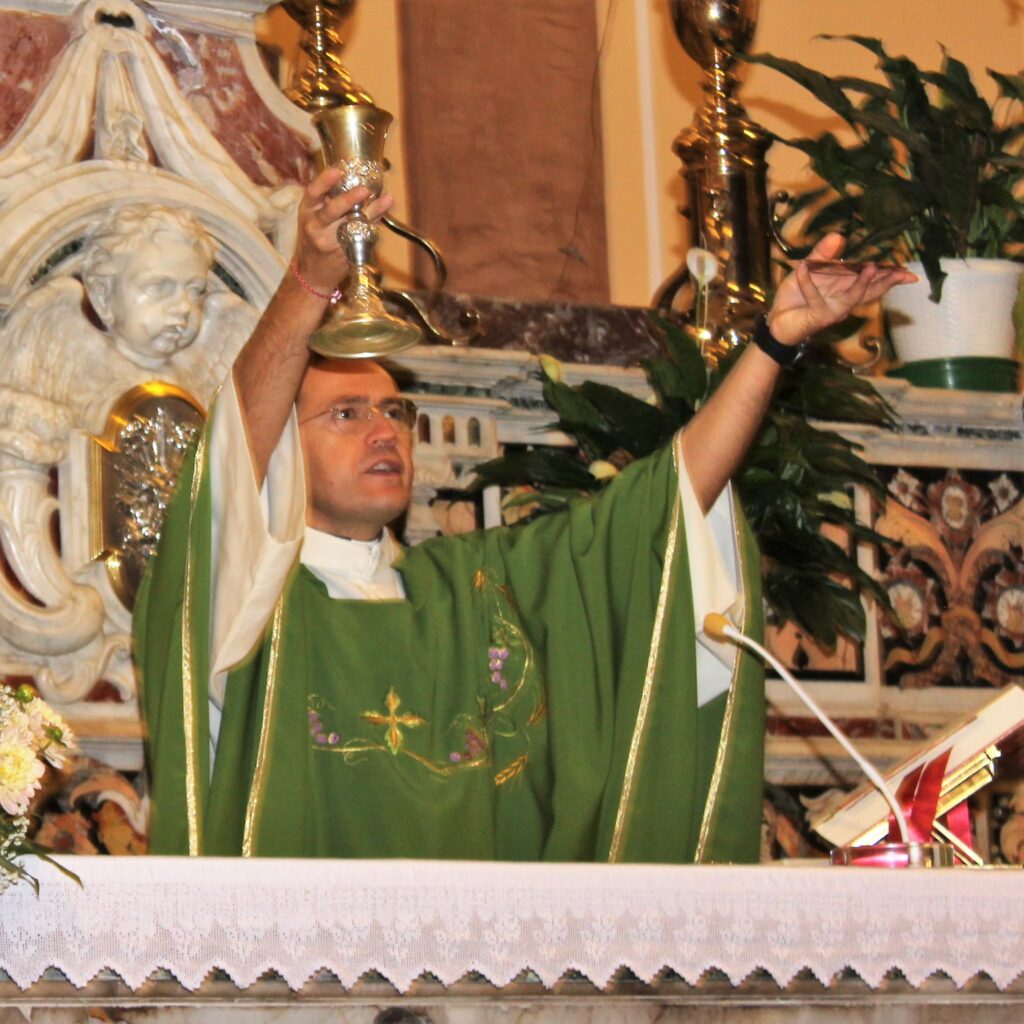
(650, 90)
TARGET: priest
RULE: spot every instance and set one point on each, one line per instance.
(541, 692)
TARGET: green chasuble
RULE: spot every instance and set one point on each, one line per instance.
(533, 698)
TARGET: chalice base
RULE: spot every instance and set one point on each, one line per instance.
(363, 336)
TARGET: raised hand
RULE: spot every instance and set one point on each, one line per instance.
(809, 299)
(319, 256)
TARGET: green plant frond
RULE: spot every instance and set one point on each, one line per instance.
(538, 467)
(834, 163)
(797, 204)
(684, 353)
(958, 91)
(870, 43)
(883, 242)
(1010, 86)
(1013, 161)
(1006, 136)
(826, 393)
(839, 215)
(572, 408)
(892, 201)
(639, 428)
(914, 136)
(934, 239)
(821, 607)
(820, 86)
(672, 388)
(865, 86)
(839, 331)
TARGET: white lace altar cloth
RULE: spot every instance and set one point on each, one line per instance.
(402, 918)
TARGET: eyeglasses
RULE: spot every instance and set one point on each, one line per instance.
(355, 416)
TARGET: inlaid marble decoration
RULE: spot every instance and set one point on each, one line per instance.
(957, 583)
(608, 335)
(29, 44)
(210, 75)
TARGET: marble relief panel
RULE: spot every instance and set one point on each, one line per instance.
(957, 582)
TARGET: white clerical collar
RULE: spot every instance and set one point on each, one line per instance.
(355, 559)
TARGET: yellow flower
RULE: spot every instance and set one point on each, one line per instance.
(602, 470)
(20, 771)
(839, 499)
(552, 368)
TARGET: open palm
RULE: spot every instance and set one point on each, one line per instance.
(809, 300)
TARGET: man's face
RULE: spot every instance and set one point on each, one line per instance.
(153, 308)
(359, 480)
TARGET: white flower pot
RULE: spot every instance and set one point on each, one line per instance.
(973, 319)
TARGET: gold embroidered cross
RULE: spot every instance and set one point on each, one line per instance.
(393, 720)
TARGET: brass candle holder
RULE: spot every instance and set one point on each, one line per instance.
(724, 168)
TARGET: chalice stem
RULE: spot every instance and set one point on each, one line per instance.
(358, 237)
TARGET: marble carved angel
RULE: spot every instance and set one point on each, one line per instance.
(139, 303)
(143, 309)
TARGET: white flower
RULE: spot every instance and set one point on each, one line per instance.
(20, 769)
(16, 727)
(703, 266)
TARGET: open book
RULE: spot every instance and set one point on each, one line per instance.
(973, 744)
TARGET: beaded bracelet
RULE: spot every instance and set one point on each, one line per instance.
(334, 297)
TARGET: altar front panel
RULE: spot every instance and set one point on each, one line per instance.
(459, 941)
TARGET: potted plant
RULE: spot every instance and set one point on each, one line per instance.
(930, 178)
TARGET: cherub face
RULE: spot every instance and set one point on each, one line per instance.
(154, 307)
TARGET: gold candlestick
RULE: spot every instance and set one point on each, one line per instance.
(724, 168)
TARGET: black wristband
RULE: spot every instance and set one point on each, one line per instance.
(786, 356)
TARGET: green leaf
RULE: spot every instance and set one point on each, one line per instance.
(684, 352)
(820, 86)
(870, 43)
(1010, 86)
(637, 427)
(875, 90)
(571, 406)
(932, 243)
(671, 387)
(840, 331)
(539, 467)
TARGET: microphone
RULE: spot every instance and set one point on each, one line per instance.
(718, 627)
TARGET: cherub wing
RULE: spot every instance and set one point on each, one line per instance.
(43, 334)
(50, 355)
(228, 320)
